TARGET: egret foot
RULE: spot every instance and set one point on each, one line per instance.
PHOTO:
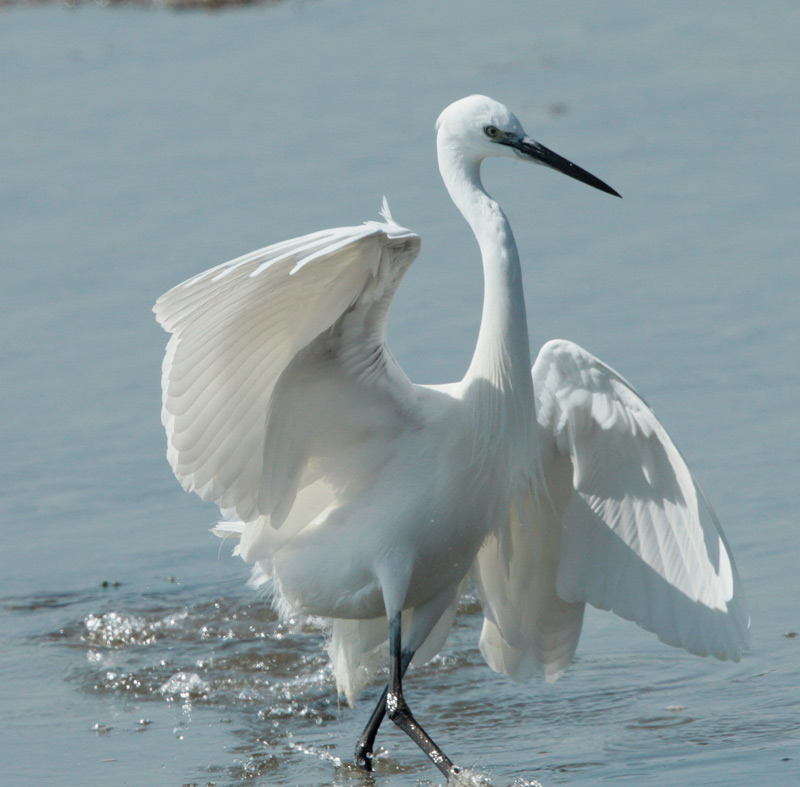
(363, 758)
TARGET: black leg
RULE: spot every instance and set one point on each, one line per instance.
(366, 742)
(399, 712)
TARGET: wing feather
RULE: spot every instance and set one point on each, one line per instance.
(612, 517)
(638, 535)
(236, 330)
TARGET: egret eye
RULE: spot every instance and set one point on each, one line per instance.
(492, 132)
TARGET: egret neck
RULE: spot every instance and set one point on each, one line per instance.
(498, 381)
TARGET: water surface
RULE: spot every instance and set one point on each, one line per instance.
(138, 147)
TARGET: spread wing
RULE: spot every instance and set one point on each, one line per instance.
(263, 344)
(621, 524)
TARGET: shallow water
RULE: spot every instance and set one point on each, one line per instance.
(138, 147)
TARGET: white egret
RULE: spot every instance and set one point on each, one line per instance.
(367, 499)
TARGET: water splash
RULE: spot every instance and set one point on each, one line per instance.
(186, 685)
(119, 630)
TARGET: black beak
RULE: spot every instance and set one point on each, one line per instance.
(542, 155)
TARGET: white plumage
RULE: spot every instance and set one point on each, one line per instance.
(359, 495)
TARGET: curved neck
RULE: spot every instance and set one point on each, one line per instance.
(502, 353)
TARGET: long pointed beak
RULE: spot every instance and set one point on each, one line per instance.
(541, 155)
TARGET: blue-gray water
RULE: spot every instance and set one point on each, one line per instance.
(138, 147)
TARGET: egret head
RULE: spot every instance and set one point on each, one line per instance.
(479, 127)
